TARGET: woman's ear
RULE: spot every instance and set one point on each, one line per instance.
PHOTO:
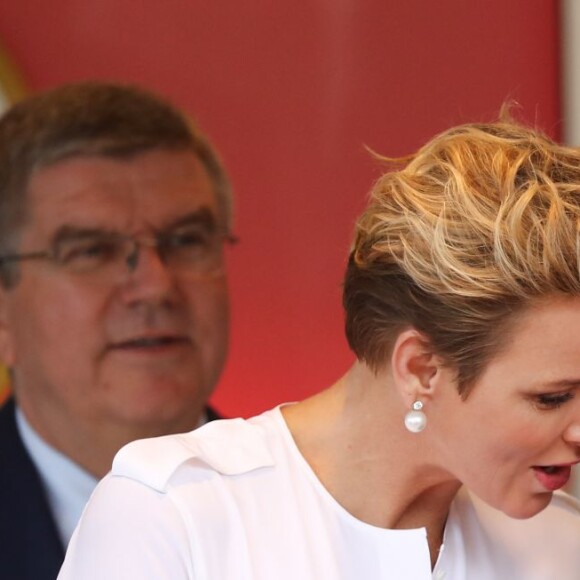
(414, 366)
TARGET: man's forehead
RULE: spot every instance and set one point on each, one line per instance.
(156, 188)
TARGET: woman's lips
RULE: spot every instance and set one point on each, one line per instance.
(553, 477)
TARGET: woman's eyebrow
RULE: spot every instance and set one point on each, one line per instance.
(563, 384)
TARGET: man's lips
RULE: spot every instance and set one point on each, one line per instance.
(150, 342)
(553, 477)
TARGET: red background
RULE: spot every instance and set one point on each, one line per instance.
(291, 92)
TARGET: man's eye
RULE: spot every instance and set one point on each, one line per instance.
(189, 239)
(93, 251)
(553, 400)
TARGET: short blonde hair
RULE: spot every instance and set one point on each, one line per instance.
(478, 224)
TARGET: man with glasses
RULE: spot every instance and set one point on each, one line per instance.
(114, 214)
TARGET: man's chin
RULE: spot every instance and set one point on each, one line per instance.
(159, 410)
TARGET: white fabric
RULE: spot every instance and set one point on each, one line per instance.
(236, 500)
(68, 486)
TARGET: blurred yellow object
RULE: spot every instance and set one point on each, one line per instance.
(4, 384)
(12, 89)
(12, 85)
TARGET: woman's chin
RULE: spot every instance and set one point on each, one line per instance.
(527, 509)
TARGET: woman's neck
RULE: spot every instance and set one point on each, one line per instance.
(353, 437)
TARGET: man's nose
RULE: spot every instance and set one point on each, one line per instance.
(134, 250)
(148, 276)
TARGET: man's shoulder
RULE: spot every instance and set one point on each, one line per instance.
(18, 474)
(213, 414)
(26, 520)
(11, 446)
(7, 417)
(225, 447)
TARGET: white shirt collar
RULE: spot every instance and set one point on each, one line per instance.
(68, 486)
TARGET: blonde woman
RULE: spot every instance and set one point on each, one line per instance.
(462, 300)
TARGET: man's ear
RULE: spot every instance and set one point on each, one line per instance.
(7, 353)
(414, 366)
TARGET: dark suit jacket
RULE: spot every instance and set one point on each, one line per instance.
(30, 548)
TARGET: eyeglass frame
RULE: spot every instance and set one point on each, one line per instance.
(131, 259)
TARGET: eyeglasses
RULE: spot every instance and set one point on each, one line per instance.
(191, 248)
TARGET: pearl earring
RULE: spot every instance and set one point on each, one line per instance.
(416, 420)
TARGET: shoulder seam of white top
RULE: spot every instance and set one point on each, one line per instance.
(154, 461)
